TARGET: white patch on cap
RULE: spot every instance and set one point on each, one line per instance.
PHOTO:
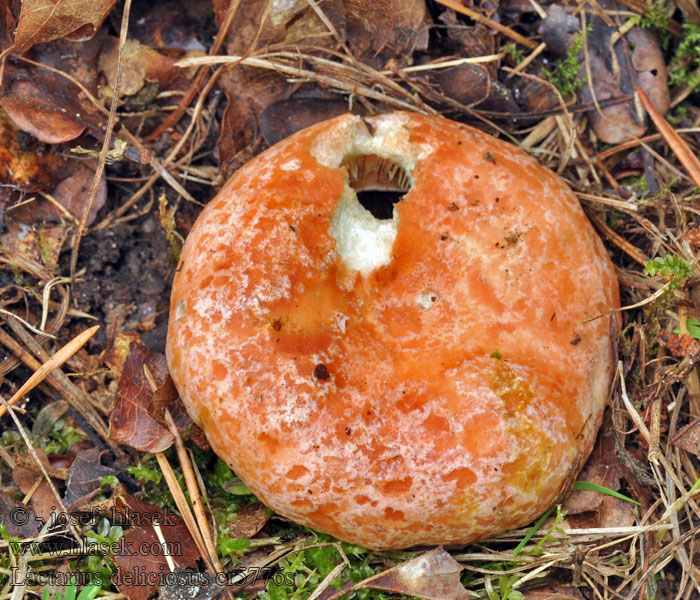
(291, 165)
(362, 242)
(426, 299)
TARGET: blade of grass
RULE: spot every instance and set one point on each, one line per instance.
(535, 528)
(601, 489)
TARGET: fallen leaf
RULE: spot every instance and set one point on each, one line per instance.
(199, 438)
(19, 520)
(84, 478)
(43, 502)
(118, 351)
(249, 92)
(434, 575)
(42, 21)
(282, 119)
(469, 40)
(47, 105)
(171, 23)
(650, 67)
(9, 15)
(134, 420)
(688, 438)
(34, 112)
(473, 85)
(249, 520)
(388, 30)
(70, 192)
(290, 22)
(141, 64)
(140, 551)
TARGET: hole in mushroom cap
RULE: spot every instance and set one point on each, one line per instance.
(365, 224)
(379, 182)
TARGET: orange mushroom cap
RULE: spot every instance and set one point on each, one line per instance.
(427, 377)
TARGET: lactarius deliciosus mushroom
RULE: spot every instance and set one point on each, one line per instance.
(382, 326)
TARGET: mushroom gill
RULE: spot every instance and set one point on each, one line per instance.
(379, 182)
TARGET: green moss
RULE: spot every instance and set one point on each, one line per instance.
(672, 267)
(565, 74)
(685, 66)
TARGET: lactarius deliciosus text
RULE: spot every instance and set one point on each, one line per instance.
(382, 325)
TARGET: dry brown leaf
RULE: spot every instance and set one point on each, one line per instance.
(140, 551)
(688, 438)
(650, 67)
(290, 22)
(43, 502)
(281, 119)
(19, 520)
(34, 112)
(249, 520)
(434, 575)
(386, 30)
(135, 419)
(172, 24)
(141, 64)
(249, 92)
(9, 15)
(42, 21)
(46, 104)
(118, 350)
(680, 345)
(84, 478)
(586, 508)
(70, 192)
(469, 40)
(473, 85)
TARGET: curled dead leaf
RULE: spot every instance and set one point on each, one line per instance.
(434, 575)
(137, 417)
(42, 21)
(48, 105)
(141, 65)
